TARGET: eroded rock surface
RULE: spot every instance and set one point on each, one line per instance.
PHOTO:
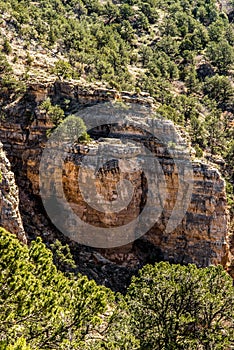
(200, 237)
(10, 217)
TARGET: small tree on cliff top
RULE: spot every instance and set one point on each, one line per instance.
(72, 128)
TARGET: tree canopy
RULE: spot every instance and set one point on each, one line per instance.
(166, 306)
(40, 304)
(182, 307)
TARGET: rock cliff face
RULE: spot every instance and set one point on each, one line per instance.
(10, 217)
(200, 237)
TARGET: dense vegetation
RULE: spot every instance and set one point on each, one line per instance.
(166, 307)
(180, 51)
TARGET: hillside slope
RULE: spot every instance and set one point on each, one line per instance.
(181, 53)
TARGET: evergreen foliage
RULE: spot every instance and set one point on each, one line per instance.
(166, 307)
(40, 305)
(179, 307)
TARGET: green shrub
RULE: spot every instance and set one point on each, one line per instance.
(7, 47)
(182, 307)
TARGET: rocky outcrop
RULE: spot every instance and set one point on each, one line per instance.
(198, 236)
(201, 235)
(10, 217)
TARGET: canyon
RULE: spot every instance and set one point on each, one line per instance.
(201, 236)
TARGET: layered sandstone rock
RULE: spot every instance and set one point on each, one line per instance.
(201, 234)
(10, 217)
(198, 235)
